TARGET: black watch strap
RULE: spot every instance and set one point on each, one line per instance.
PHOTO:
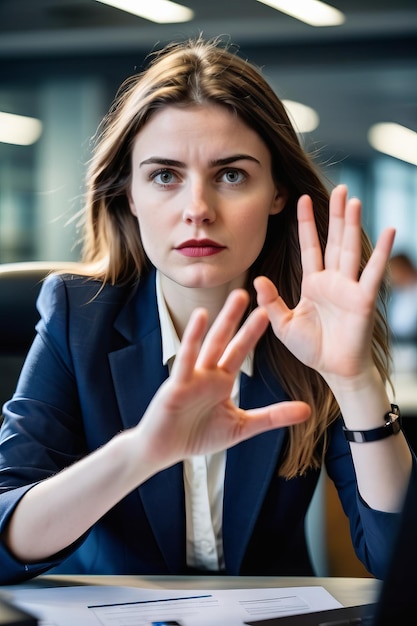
(392, 426)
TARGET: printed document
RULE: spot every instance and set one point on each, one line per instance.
(93, 605)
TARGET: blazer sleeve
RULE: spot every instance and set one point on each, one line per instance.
(373, 532)
(42, 430)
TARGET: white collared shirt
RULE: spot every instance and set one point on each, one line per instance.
(203, 474)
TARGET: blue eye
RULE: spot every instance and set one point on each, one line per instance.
(163, 177)
(233, 176)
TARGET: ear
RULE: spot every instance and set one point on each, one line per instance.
(279, 201)
(132, 206)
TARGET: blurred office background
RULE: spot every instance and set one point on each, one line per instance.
(61, 62)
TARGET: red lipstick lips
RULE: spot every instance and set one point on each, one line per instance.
(199, 248)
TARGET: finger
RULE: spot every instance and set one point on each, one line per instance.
(223, 329)
(277, 415)
(311, 253)
(244, 341)
(351, 251)
(189, 349)
(336, 227)
(374, 270)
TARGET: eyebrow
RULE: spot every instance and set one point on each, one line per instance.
(215, 163)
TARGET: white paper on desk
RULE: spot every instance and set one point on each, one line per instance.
(131, 606)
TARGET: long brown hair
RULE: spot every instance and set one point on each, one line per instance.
(198, 72)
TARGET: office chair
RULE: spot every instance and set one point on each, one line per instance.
(20, 284)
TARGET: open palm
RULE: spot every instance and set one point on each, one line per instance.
(192, 413)
(330, 329)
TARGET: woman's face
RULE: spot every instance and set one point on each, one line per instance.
(202, 192)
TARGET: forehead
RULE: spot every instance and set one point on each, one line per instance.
(205, 126)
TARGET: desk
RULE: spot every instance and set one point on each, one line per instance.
(348, 591)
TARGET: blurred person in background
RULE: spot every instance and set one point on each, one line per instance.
(402, 311)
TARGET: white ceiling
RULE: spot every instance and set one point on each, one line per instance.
(362, 72)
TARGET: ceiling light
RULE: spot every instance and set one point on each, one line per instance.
(395, 140)
(304, 118)
(160, 11)
(311, 12)
(19, 129)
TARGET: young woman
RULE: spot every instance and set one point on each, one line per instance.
(220, 342)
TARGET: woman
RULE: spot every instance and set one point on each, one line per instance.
(187, 382)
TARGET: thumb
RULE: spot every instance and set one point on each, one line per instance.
(269, 299)
(275, 416)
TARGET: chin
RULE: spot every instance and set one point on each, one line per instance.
(199, 284)
(209, 280)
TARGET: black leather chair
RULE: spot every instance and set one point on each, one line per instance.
(20, 284)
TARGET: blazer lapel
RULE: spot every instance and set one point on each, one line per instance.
(249, 468)
(138, 373)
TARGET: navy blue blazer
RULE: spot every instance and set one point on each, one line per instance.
(92, 370)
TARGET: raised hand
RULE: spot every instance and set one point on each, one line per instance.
(330, 329)
(192, 413)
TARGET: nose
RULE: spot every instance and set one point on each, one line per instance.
(199, 207)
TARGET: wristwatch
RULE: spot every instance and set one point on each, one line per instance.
(392, 426)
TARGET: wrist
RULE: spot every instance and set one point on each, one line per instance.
(131, 459)
(342, 386)
(363, 400)
(143, 456)
(357, 390)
